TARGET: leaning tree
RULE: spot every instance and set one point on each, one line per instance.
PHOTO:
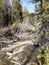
(43, 27)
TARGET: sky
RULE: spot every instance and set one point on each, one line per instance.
(28, 5)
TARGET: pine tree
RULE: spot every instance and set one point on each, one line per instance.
(1, 14)
(7, 12)
(17, 10)
(1, 3)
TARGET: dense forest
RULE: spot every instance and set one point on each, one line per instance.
(24, 35)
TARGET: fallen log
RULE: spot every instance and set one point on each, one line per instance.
(6, 32)
(3, 31)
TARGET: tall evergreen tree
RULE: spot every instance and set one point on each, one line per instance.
(7, 12)
(1, 14)
(1, 2)
(17, 10)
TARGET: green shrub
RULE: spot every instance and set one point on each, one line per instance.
(43, 56)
